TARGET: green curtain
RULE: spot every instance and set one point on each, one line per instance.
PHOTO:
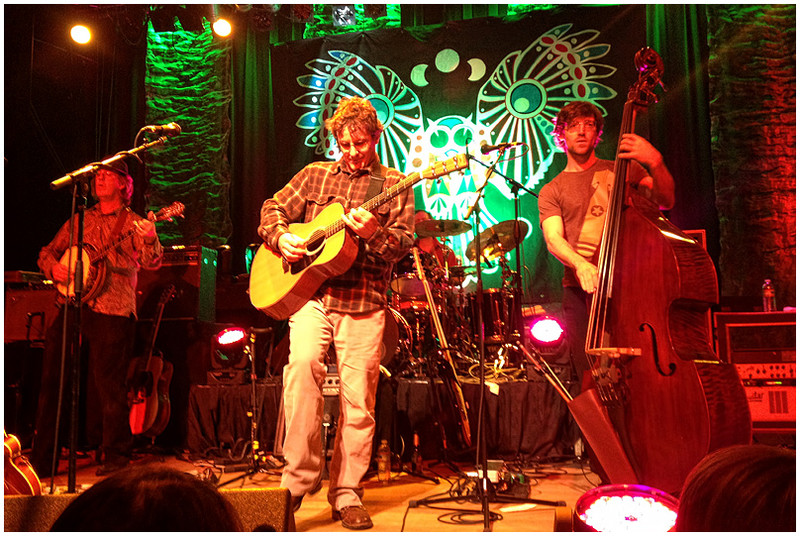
(681, 121)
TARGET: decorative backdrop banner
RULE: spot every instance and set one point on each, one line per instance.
(451, 88)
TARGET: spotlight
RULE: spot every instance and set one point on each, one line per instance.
(222, 27)
(344, 15)
(626, 507)
(229, 356)
(80, 34)
(546, 331)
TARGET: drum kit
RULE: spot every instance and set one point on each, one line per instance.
(410, 340)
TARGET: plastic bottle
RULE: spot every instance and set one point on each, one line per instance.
(768, 296)
(384, 462)
(416, 456)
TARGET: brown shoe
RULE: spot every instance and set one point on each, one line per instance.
(353, 517)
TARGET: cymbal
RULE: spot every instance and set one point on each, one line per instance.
(498, 239)
(429, 228)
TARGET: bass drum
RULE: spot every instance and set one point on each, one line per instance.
(396, 343)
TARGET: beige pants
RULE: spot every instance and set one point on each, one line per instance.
(357, 340)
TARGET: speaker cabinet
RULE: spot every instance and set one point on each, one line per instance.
(193, 271)
(29, 312)
(263, 509)
(259, 509)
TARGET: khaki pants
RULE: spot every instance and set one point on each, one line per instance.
(357, 340)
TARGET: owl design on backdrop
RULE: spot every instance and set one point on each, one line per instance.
(517, 102)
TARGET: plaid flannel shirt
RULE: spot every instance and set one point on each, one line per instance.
(363, 287)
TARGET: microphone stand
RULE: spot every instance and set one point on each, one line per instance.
(484, 488)
(517, 303)
(79, 179)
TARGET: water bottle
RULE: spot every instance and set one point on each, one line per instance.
(416, 457)
(384, 462)
(768, 296)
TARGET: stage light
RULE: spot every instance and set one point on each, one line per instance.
(344, 15)
(546, 330)
(80, 34)
(625, 507)
(222, 27)
(230, 336)
(229, 356)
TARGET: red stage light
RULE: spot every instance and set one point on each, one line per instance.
(230, 336)
(546, 330)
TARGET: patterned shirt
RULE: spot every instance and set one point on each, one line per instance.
(117, 295)
(363, 287)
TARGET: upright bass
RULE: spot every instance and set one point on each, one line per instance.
(669, 398)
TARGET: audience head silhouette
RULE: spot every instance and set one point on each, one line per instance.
(744, 488)
(149, 498)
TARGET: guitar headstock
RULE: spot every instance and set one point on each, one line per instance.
(457, 163)
(167, 213)
(166, 295)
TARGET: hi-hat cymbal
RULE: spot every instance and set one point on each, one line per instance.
(429, 228)
(499, 239)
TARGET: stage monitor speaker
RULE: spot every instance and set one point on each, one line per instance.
(259, 509)
(193, 271)
(263, 509)
(23, 513)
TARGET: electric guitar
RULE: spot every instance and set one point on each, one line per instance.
(94, 269)
(19, 478)
(280, 288)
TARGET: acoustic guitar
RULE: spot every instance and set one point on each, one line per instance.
(280, 288)
(149, 378)
(19, 478)
(94, 267)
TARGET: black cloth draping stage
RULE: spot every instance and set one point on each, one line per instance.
(524, 418)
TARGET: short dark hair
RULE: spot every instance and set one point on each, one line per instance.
(572, 111)
(149, 498)
(743, 488)
(357, 114)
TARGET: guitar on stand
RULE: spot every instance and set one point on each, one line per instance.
(149, 378)
(447, 367)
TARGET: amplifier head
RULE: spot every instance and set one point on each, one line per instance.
(744, 338)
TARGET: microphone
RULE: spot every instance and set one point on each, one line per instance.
(171, 129)
(486, 148)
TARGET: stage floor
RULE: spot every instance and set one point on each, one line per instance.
(389, 504)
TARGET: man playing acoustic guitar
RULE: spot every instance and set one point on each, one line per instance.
(107, 318)
(348, 310)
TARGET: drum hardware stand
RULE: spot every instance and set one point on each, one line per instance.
(256, 456)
